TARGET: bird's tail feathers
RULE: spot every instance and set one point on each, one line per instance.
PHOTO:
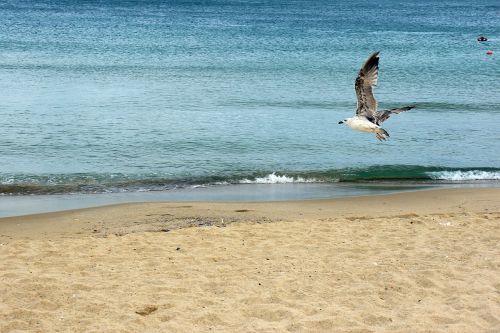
(381, 134)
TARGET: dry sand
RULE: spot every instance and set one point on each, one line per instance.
(413, 262)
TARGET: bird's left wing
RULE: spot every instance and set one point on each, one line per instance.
(367, 78)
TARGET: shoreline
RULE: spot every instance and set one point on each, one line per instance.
(123, 218)
(22, 205)
(425, 261)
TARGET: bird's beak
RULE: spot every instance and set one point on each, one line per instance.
(341, 122)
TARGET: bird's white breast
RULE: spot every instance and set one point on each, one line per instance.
(361, 124)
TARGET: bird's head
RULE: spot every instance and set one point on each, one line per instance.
(345, 121)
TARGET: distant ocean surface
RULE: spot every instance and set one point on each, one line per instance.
(128, 96)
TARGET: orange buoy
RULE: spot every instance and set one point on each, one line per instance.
(489, 52)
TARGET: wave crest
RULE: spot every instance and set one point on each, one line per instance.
(460, 175)
(273, 178)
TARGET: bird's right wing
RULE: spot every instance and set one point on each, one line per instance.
(383, 115)
(367, 78)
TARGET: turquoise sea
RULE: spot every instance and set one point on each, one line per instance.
(141, 96)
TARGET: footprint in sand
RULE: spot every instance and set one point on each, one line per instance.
(147, 310)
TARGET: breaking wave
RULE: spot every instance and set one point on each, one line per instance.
(274, 178)
(28, 184)
(469, 175)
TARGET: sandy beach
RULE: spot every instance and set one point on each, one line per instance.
(424, 261)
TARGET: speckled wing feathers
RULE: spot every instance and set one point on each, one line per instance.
(367, 78)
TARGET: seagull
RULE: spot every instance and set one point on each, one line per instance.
(367, 118)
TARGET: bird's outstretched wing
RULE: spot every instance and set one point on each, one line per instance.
(383, 115)
(367, 78)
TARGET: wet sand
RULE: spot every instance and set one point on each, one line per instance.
(424, 261)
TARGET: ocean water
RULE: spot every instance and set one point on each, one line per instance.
(128, 96)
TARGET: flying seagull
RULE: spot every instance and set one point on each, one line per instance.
(367, 118)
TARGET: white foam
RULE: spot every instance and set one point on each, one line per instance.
(222, 183)
(465, 175)
(273, 178)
